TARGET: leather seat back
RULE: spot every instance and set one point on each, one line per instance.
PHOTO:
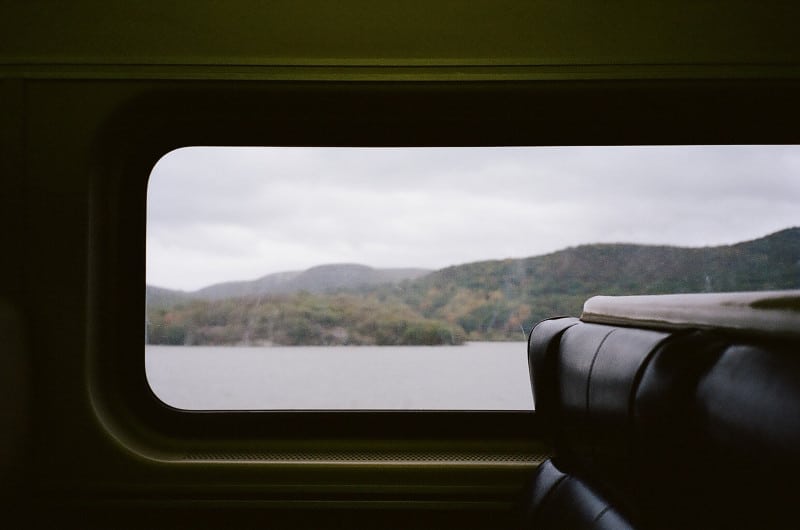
(686, 428)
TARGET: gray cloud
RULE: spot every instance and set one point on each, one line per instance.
(217, 214)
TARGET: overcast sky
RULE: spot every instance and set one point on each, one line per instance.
(219, 214)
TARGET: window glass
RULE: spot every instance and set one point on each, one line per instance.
(408, 278)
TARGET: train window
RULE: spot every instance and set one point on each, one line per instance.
(311, 278)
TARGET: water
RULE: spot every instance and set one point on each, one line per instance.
(475, 376)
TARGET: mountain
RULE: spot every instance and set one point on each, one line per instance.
(488, 300)
(269, 284)
(161, 297)
(503, 295)
(320, 279)
(770, 262)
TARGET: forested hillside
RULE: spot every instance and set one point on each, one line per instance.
(490, 300)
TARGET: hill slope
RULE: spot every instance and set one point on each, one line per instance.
(500, 297)
(320, 279)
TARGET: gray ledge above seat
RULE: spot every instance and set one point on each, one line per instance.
(774, 313)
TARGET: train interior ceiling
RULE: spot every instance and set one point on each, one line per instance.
(93, 94)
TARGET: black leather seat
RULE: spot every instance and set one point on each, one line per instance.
(658, 429)
(560, 500)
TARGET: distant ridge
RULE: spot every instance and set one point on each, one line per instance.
(319, 279)
(161, 297)
(770, 262)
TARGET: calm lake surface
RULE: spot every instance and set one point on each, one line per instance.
(475, 376)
